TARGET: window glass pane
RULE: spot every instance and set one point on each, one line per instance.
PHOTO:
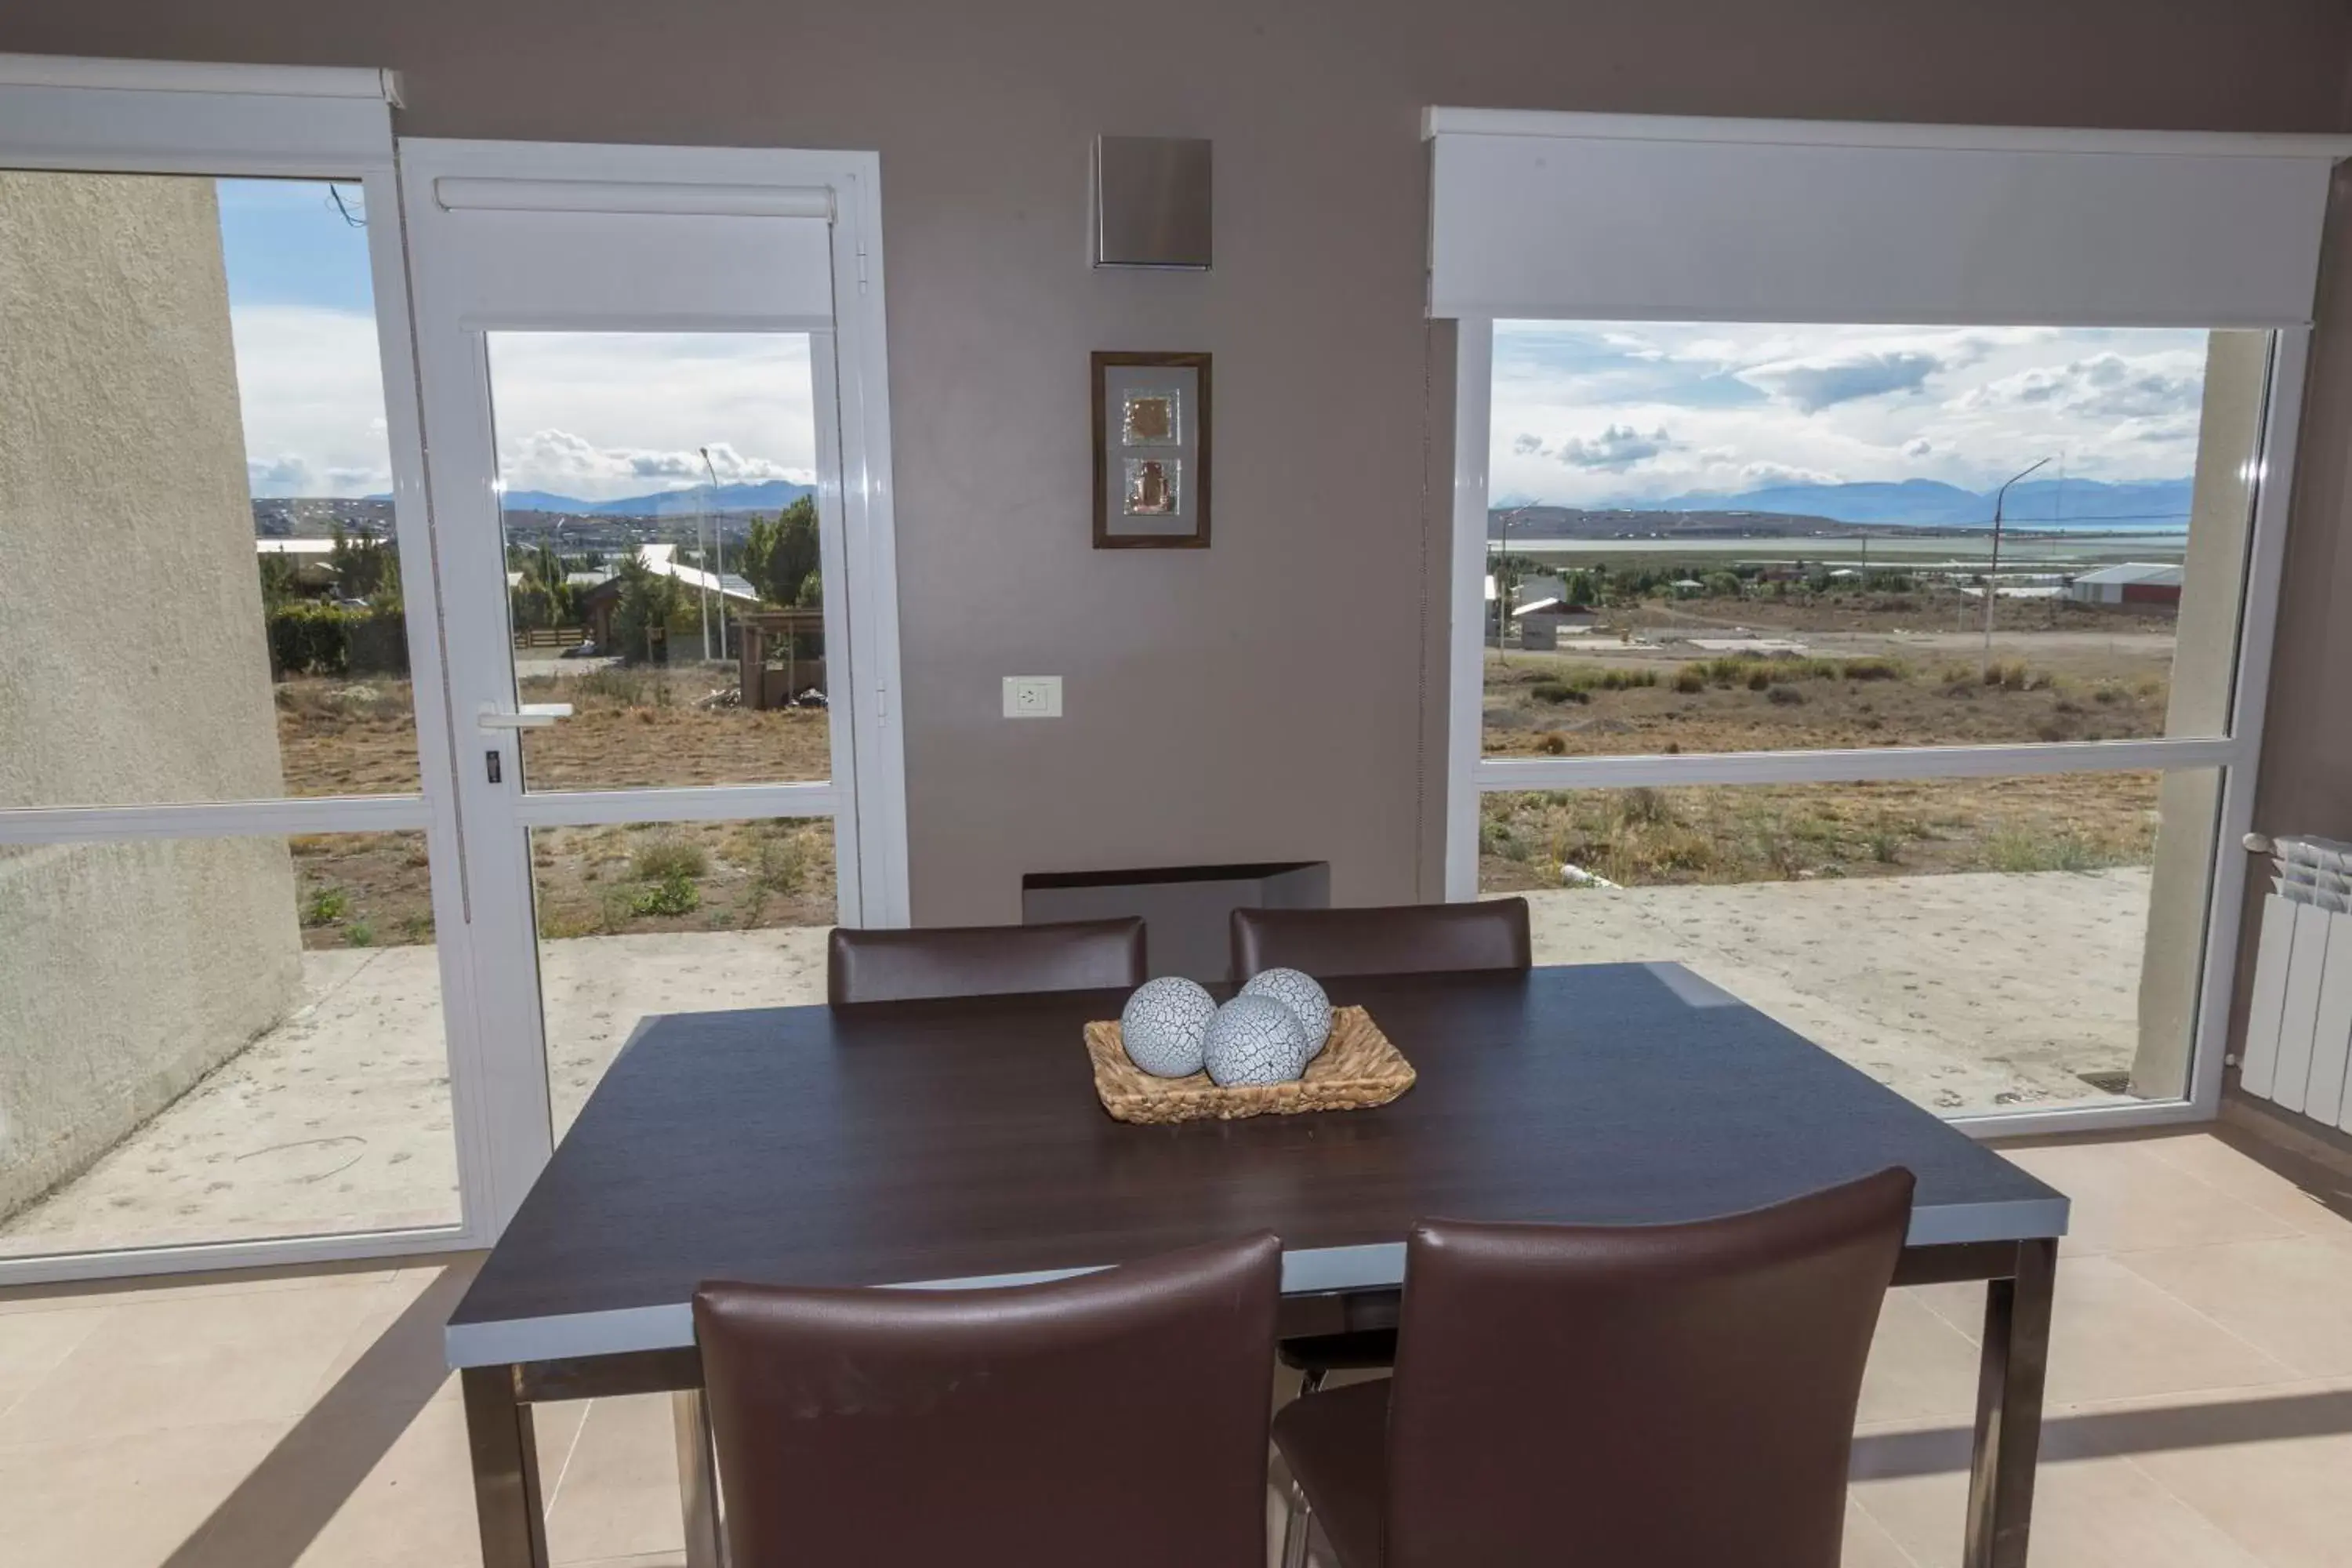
(213, 1040)
(664, 567)
(203, 601)
(671, 917)
(1981, 946)
(1719, 538)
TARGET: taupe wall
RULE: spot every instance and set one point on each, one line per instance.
(1263, 699)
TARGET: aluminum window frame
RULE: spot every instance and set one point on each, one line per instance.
(2237, 755)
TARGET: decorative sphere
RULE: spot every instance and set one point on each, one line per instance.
(1162, 1023)
(1253, 1039)
(1298, 991)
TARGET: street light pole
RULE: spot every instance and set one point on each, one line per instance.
(1992, 575)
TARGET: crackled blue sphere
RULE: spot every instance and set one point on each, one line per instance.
(1163, 1026)
(1298, 991)
(1253, 1039)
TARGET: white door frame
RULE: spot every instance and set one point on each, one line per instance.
(465, 289)
(136, 117)
(1470, 773)
(306, 122)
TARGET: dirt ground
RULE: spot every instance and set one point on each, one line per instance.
(630, 729)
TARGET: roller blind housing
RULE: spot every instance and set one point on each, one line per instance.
(1617, 217)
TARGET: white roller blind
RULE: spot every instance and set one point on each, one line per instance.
(523, 249)
(65, 112)
(1632, 218)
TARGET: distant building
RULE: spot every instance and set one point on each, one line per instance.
(599, 602)
(2133, 583)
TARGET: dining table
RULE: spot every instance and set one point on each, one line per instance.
(959, 1143)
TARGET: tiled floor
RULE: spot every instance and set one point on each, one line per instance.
(2200, 1386)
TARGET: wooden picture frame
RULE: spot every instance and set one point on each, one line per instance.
(1153, 434)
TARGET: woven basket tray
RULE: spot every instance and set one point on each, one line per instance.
(1359, 1067)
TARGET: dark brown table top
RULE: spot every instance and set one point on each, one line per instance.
(959, 1141)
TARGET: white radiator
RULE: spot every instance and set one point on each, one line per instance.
(2299, 1028)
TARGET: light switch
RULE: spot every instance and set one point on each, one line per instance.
(1033, 696)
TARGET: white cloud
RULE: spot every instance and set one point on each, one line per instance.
(600, 415)
(1764, 475)
(604, 414)
(1812, 385)
(1616, 447)
(2105, 386)
(1754, 405)
(310, 385)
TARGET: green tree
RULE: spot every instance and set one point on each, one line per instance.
(364, 567)
(781, 554)
(278, 586)
(649, 599)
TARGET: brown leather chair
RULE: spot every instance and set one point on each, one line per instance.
(983, 960)
(1402, 939)
(1118, 1416)
(1682, 1396)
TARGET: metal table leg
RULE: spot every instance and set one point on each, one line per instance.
(505, 1452)
(2016, 1356)
(697, 1479)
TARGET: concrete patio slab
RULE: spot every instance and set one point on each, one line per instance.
(1967, 993)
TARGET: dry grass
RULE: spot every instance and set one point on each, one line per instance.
(1641, 838)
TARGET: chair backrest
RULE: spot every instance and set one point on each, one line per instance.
(1402, 939)
(1113, 1417)
(983, 960)
(1681, 1396)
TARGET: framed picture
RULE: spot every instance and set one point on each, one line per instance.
(1151, 451)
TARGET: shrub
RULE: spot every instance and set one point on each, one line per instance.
(359, 934)
(673, 895)
(1784, 696)
(1880, 667)
(669, 859)
(327, 906)
(783, 864)
(1555, 691)
(1645, 804)
(309, 638)
(1759, 678)
(1554, 746)
(1690, 680)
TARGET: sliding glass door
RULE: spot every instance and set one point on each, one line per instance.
(1889, 676)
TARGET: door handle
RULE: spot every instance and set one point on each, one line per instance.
(526, 716)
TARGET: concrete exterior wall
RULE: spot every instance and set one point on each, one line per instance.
(132, 668)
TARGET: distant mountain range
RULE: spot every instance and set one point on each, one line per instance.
(2155, 504)
(767, 495)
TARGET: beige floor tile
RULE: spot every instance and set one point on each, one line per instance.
(1921, 1366)
(2126, 1199)
(416, 1506)
(398, 1345)
(2218, 1165)
(1867, 1543)
(124, 1502)
(2292, 1299)
(33, 1343)
(2087, 1514)
(151, 1365)
(618, 1495)
(2114, 1335)
(2280, 1497)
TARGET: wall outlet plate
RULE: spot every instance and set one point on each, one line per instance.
(1033, 696)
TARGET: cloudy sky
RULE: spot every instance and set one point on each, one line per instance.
(1591, 414)
(593, 416)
